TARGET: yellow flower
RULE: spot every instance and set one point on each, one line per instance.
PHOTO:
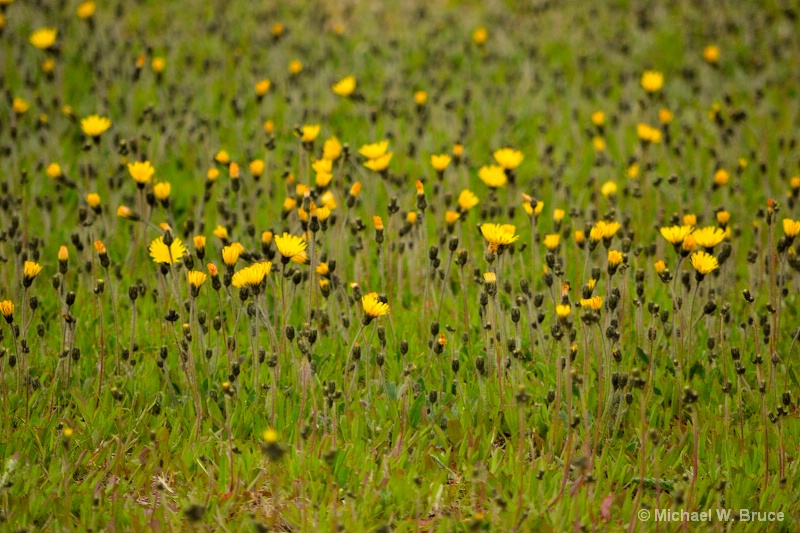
(450, 217)
(665, 116)
(493, 176)
(648, 134)
(289, 204)
(652, 81)
(94, 126)
(7, 309)
(440, 162)
(791, 228)
(580, 237)
(231, 253)
(93, 199)
(614, 257)
(609, 188)
(704, 263)
(331, 149)
(373, 307)
(44, 38)
(609, 229)
(221, 232)
(660, 266)
(163, 254)
(374, 150)
(709, 237)
(196, 278)
(689, 219)
(30, 270)
(269, 126)
(499, 235)
(711, 54)
(233, 170)
(262, 87)
(141, 171)
(124, 211)
(558, 215)
(380, 164)
(257, 167)
(723, 217)
(458, 150)
(598, 118)
(251, 276)
(420, 98)
(411, 217)
(322, 269)
(161, 190)
(158, 64)
(323, 179)
(598, 143)
(289, 245)
(676, 234)
(508, 158)
(633, 170)
(322, 165)
(721, 177)
(595, 303)
(563, 310)
(551, 241)
(480, 36)
(345, 87)
(689, 244)
(378, 223)
(53, 171)
(199, 242)
(212, 174)
(19, 105)
(295, 67)
(48, 65)
(86, 10)
(328, 200)
(489, 277)
(467, 200)
(277, 29)
(309, 132)
(222, 157)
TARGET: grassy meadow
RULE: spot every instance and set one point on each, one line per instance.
(399, 266)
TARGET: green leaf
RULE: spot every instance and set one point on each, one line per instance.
(642, 356)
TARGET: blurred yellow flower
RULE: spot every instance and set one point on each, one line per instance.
(508, 158)
(345, 87)
(467, 200)
(704, 263)
(373, 307)
(141, 171)
(94, 126)
(374, 150)
(652, 81)
(711, 54)
(440, 162)
(161, 253)
(44, 38)
(493, 176)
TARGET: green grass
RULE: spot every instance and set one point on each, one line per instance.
(409, 444)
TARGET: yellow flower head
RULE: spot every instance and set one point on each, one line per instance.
(499, 234)
(411, 217)
(332, 149)
(721, 177)
(162, 190)
(54, 171)
(322, 165)
(467, 200)
(251, 276)
(93, 199)
(309, 132)
(689, 219)
(689, 243)
(440, 162)
(704, 263)
(711, 54)
(709, 237)
(660, 266)
(598, 118)
(86, 10)
(7, 309)
(480, 36)
(262, 87)
(652, 81)
(489, 277)
(231, 253)
(323, 179)
(199, 242)
(614, 257)
(420, 98)
(551, 241)
(598, 143)
(791, 228)
(289, 245)
(124, 211)
(609, 188)
(378, 221)
(295, 67)
(196, 278)
(161, 253)
(508, 158)
(233, 170)
(94, 126)
(44, 38)
(212, 174)
(373, 307)
(19, 105)
(257, 167)
(141, 171)
(220, 232)
(323, 269)
(675, 235)
(665, 116)
(355, 190)
(595, 303)
(379, 164)
(374, 150)
(328, 200)
(345, 87)
(558, 215)
(222, 157)
(158, 64)
(723, 217)
(30, 270)
(63, 254)
(450, 217)
(580, 237)
(563, 310)
(648, 134)
(493, 176)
